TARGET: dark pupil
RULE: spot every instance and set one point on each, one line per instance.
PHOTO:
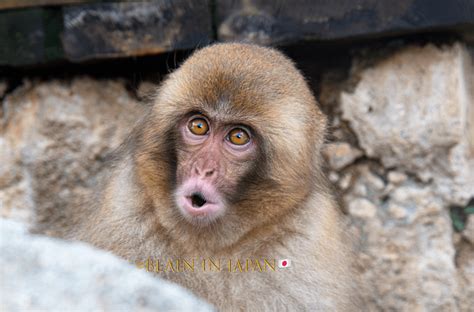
(199, 125)
(239, 135)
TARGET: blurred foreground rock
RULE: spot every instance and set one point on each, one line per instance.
(42, 273)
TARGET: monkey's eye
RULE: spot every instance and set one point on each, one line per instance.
(198, 126)
(238, 136)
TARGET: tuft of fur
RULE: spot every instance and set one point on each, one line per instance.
(284, 207)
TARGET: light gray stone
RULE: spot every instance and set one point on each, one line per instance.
(468, 232)
(362, 208)
(465, 264)
(54, 138)
(414, 110)
(45, 274)
(396, 177)
(340, 154)
(405, 246)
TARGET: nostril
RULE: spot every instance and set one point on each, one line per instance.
(209, 173)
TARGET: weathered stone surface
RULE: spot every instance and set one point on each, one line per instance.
(269, 23)
(406, 245)
(468, 232)
(135, 28)
(40, 273)
(340, 154)
(54, 138)
(465, 263)
(396, 177)
(414, 111)
(362, 208)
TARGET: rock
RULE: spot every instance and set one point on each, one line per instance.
(468, 232)
(367, 184)
(40, 273)
(412, 110)
(54, 139)
(345, 181)
(465, 264)
(362, 208)
(396, 177)
(405, 245)
(333, 176)
(340, 154)
(100, 30)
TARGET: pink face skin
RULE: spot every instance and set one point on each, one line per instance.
(208, 164)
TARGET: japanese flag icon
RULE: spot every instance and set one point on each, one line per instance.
(284, 263)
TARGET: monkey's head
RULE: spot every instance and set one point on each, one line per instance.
(232, 143)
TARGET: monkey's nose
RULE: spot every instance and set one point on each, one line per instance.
(205, 170)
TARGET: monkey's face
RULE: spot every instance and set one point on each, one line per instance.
(212, 157)
(231, 143)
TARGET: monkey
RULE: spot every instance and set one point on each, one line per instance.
(226, 166)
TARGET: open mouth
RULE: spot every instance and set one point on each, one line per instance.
(198, 200)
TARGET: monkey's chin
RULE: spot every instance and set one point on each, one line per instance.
(199, 204)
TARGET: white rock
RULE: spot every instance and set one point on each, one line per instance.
(345, 181)
(396, 177)
(333, 176)
(362, 208)
(44, 274)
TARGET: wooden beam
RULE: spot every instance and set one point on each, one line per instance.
(15, 4)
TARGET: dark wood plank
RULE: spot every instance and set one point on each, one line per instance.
(272, 22)
(30, 36)
(15, 4)
(102, 30)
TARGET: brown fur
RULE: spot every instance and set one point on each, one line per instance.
(287, 210)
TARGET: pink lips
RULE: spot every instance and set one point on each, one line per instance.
(198, 198)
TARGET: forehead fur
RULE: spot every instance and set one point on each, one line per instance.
(241, 83)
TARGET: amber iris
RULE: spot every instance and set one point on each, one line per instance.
(198, 126)
(239, 136)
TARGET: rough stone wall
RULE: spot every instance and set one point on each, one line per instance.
(54, 136)
(402, 158)
(407, 121)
